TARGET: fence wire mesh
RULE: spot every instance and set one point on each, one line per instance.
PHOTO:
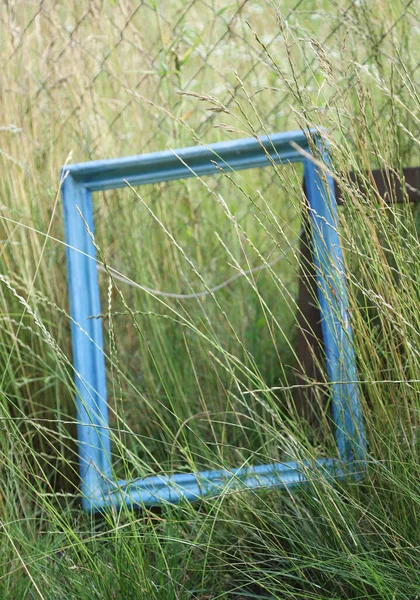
(112, 78)
(106, 78)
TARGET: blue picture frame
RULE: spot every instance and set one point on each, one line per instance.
(99, 488)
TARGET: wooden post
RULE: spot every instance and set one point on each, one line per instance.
(309, 400)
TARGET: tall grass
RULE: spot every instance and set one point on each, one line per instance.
(206, 381)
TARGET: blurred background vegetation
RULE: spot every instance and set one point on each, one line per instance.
(100, 79)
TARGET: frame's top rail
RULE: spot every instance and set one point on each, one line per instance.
(188, 162)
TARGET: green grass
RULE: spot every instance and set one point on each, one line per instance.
(106, 79)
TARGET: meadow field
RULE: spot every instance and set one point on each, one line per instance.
(200, 333)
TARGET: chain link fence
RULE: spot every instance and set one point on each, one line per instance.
(104, 78)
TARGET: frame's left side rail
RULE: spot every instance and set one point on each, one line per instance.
(87, 344)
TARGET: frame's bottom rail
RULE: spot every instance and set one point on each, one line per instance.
(173, 489)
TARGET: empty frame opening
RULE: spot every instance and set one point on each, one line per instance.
(199, 284)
